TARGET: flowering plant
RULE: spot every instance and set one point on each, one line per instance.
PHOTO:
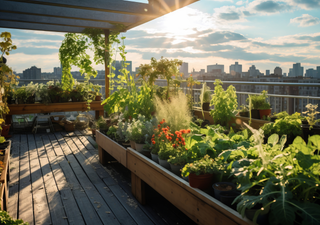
(166, 143)
(202, 166)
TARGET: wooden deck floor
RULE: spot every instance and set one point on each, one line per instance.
(56, 178)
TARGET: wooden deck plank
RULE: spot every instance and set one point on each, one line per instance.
(25, 203)
(101, 206)
(14, 177)
(40, 204)
(57, 212)
(127, 203)
(65, 148)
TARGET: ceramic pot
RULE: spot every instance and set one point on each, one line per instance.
(155, 158)
(255, 114)
(228, 198)
(202, 181)
(176, 169)
(139, 147)
(262, 218)
(133, 145)
(223, 187)
(264, 112)
(164, 163)
(98, 98)
(206, 106)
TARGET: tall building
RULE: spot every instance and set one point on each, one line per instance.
(311, 73)
(277, 71)
(215, 67)
(237, 68)
(267, 72)
(32, 73)
(57, 72)
(297, 70)
(318, 72)
(184, 69)
(253, 71)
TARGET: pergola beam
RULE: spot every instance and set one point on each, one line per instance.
(43, 27)
(70, 13)
(123, 7)
(54, 21)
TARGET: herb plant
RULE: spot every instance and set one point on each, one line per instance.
(225, 104)
(311, 114)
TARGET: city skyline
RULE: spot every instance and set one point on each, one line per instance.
(264, 33)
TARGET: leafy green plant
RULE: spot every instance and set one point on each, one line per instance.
(202, 166)
(5, 218)
(311, 114)
(243, 108)
(225, 104)
(260, 101)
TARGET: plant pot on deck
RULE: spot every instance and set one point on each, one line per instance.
(255, 114)
(228, 197)
(202, 181)
(5, 130)
(139, 147)
(206, 106)
(264, 112)
(98, 98)
(164, 163)
(222, 187)
(176, 169)
(155, 158)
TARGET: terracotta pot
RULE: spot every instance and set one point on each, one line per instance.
(202, 181)
(206, 106)
(264, 112)
(5, 130)
(98, 98)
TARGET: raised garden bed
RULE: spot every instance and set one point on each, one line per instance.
(255, 123)
(108, 147)
(199, 206)
(4, 171)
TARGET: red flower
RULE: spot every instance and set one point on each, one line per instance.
(188, 131)
(161, 122)
(159, 126)
(174, 145)
(177, 139)
(154, 142)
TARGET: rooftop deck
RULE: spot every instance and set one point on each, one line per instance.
(56, 178)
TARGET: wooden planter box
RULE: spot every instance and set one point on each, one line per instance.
(4, 177)
(256, 124)
(199, 206)
(108, 147)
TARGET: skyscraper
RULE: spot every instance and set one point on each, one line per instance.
(297, 70)
(267, 72)
(215, 67)
(237, 68)
(184, 69)
(32, 73)
(318, 72)
(277, 71)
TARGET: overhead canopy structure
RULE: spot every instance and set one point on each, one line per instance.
(75, 15)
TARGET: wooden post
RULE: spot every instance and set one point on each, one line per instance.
(138, 188)
(106, 68)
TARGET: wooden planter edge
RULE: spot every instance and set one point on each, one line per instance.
(199, 206)
(107, 145)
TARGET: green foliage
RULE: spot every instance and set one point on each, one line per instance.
(289, 125)
(139, 130)
(260, 101)
(6, 45)
(311, 114)
(175, 112)
(5, 218)
(225, 104)
(202, 166)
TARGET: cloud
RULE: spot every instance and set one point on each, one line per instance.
(315, 38)
(271, 7)
(230, 16)
(305, 20)
(305, 4)
(284, 45)
(318, 47)
(239, 2)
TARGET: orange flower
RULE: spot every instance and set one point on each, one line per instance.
(174, 145)
(159, 126)
(161, 122)
(188, 131)
(177, 139)
(190, 75)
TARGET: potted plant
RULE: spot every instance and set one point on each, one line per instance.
(260, 105)
(200, 172)
(205, 97)
(225, 104)
(31, 90)
(311, 128)
(96, 90)
(54, 91)
(244, 111)
(178, 161)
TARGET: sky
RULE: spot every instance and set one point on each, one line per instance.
(264, 33)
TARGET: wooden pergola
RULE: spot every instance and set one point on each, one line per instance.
(76, 15)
